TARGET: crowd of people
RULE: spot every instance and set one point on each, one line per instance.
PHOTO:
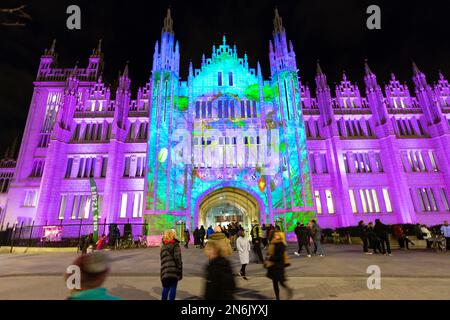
(376, 237)
(219, 243)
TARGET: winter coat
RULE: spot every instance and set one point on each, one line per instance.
(303, 234)
(316, 232)
(201, 233)
(363, 232)
(243, 248)
(209, 232)
(276, 261)
(226, 245)
(171, 263)
(381, 230)
(220, 283)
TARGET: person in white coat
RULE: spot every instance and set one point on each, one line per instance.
(243, 248)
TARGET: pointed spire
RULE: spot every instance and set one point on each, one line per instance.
(125, 71)
(52, 49)
(318, 69)
(367, 68)
(415, 68)
(277, 22)
(98, 51)
(191, 69)
(259, 70)
(73, 73)
(441, 75)
(344, 76)
(224, 40)
(168, 23)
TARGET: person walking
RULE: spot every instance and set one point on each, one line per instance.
(187, 238)
(243, 248)
(256, 241)
(316, 234)
(382, 232)
(196, 237)
(445, 230)
(94, 268)
(171, 265)
(265, 235)
(201, 235)
(364, 236)
(276, 262)
(303, 236)
(220, 282)
(209, 231)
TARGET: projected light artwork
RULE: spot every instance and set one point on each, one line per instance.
(227, 132)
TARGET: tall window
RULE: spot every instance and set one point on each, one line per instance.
(329, 201)
(123, 205)
(230, 78)
(352, 201)
(104, 166)
(363, 200)
(31, 197)
(62, 207)
(219, 79)
(427, 199)
(318, 203)
(323, 158)
(433, 160)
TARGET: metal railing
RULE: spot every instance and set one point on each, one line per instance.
(69, 235)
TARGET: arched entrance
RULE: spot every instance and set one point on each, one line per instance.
(226, 205)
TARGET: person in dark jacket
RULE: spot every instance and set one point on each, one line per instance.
(171, 265)
(220, 282)
(276, 262)
(187, 238)
(316, 235)
(382, 232)
(196, 237)
(87, 242)
(363, 234)
(201, 236)
(303, 235)
(256, 234)
(374, 241)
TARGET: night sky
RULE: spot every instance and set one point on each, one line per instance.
(333, 31)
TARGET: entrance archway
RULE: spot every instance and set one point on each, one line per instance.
(228, 204)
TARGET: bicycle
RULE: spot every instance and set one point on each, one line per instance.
(437, 242)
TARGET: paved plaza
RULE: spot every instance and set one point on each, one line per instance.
(341, 274)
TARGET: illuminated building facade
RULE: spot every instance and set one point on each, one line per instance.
(226, 144)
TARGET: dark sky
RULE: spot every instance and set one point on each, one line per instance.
(333, 31)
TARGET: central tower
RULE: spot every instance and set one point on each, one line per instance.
(226, 129)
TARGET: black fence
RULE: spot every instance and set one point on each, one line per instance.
(67, 235)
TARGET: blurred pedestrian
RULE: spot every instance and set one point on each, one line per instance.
(94, 269)
(276, 262)
(220, 282)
